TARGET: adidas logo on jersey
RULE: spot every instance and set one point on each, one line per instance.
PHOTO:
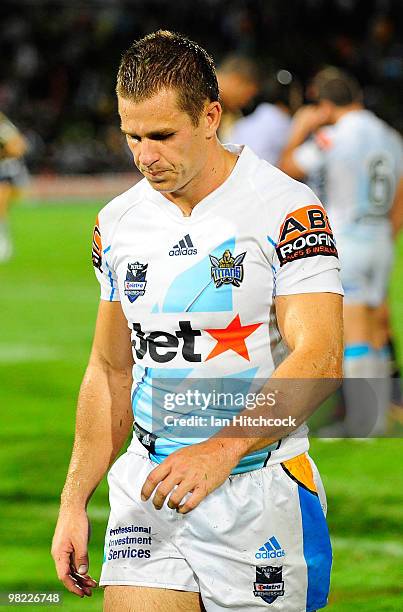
(271, 550)
(184, 247)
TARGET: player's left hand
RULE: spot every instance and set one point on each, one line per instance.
(197, 469)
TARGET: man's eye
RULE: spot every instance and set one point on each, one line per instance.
(133, 138)
(162, 136)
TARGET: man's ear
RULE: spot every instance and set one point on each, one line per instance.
(211, 117)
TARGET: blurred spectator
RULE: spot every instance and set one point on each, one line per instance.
(266, 129)
(57, 59)
(239, 83)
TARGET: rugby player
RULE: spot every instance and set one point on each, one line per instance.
(362, 160)
(205, 272)
(13, 176)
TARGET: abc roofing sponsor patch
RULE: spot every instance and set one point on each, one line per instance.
(305, 233)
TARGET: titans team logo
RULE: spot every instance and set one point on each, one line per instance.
(135, 283)
(269, 583)
(227, 270)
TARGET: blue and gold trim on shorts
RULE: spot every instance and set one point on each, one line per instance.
(317, 548)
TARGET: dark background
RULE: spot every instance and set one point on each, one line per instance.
(58, 60)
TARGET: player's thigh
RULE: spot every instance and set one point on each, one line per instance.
(144, 599)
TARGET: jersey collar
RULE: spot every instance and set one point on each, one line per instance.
(238, 174)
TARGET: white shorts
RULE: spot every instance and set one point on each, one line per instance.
(366, 259)
(259, 541)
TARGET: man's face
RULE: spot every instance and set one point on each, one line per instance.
(236, 90)
(167, 148)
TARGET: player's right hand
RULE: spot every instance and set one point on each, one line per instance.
(311, 117)
(70, 552)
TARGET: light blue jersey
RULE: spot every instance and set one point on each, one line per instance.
(362, 160)
(198, 291)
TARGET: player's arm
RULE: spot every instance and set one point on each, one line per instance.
(305, 122)
(311, 324)
(396, 214)
(103, 421)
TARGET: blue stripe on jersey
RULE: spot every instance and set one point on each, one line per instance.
(108, 248)
(194, 291)
(137, 393)
(142, 397)
(355, 351)
(113, 288)
(254, 461)
(142, 404)
(248, 374)
(274, 279)
(270, 239)
(317, 549)
(110, 279)
(251, 462)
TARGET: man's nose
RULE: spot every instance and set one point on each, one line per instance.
(148, 153)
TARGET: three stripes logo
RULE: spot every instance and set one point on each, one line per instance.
(185, 246)
(271, 550)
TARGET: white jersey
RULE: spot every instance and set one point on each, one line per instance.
(198, 291)
(265, 131)
(362, 160)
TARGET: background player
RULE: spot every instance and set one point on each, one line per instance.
(224, 540)
(13, 176)
(266, 129)
(362, 161)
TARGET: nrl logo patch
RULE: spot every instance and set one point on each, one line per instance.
(269, 583)
(135, 283)
(227, 270)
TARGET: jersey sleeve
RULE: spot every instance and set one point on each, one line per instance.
(102, 262)
(305, 258)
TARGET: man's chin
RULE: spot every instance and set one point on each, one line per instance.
(160, 184)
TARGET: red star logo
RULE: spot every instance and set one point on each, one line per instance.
(232, 338)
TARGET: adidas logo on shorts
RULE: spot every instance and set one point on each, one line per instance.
(184, 247)
(271, 550)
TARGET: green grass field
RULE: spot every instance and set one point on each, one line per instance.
(48, 302)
